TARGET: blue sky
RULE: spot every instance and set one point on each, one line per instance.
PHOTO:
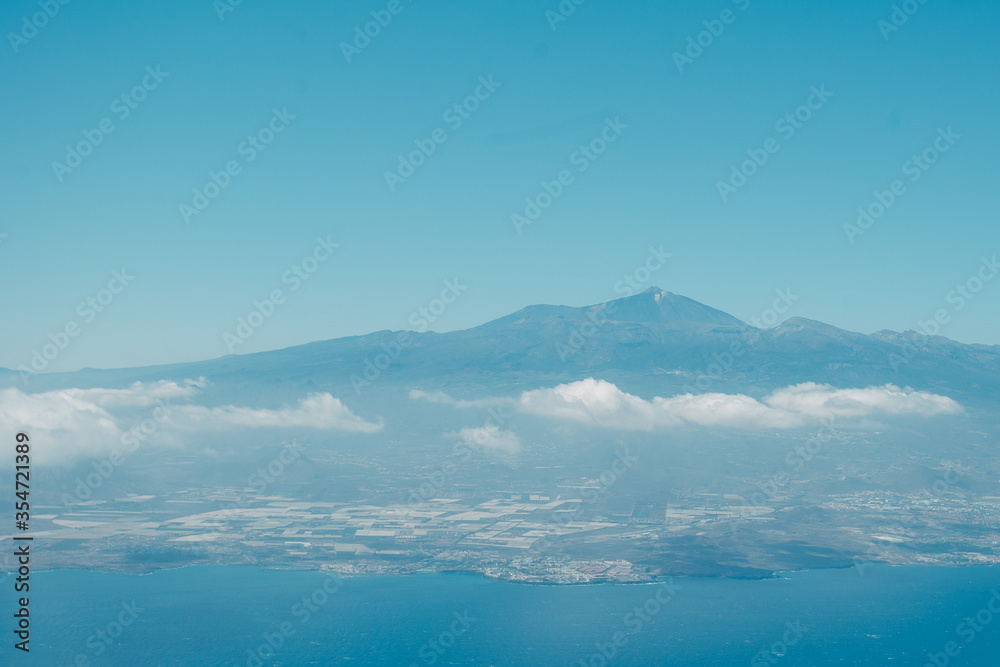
(680, 130)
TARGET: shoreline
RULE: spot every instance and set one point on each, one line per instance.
(660, 579)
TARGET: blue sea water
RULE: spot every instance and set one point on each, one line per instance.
(232, 615)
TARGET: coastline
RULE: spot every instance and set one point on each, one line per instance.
(776, 575)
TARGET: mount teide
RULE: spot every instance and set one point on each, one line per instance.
(654, 342)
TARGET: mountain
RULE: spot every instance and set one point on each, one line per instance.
(654, 342)
(653, 306)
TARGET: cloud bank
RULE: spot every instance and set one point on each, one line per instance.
(602, 404)
(491, 439)
(319, 411)
(823, 401)
(66, 424)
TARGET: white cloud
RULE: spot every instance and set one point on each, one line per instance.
(823, 401)
(67, 424)
(601, 403)
(731, 410)
(487, 438)
(491, 439)
(59, 420)
(136, 394)
(596, 403)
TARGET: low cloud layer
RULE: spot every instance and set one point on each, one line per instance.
(138, 394)
(67, 424)
(823, 401)
(319, 411)
(602, 404)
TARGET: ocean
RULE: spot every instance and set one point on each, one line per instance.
(236, 615)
